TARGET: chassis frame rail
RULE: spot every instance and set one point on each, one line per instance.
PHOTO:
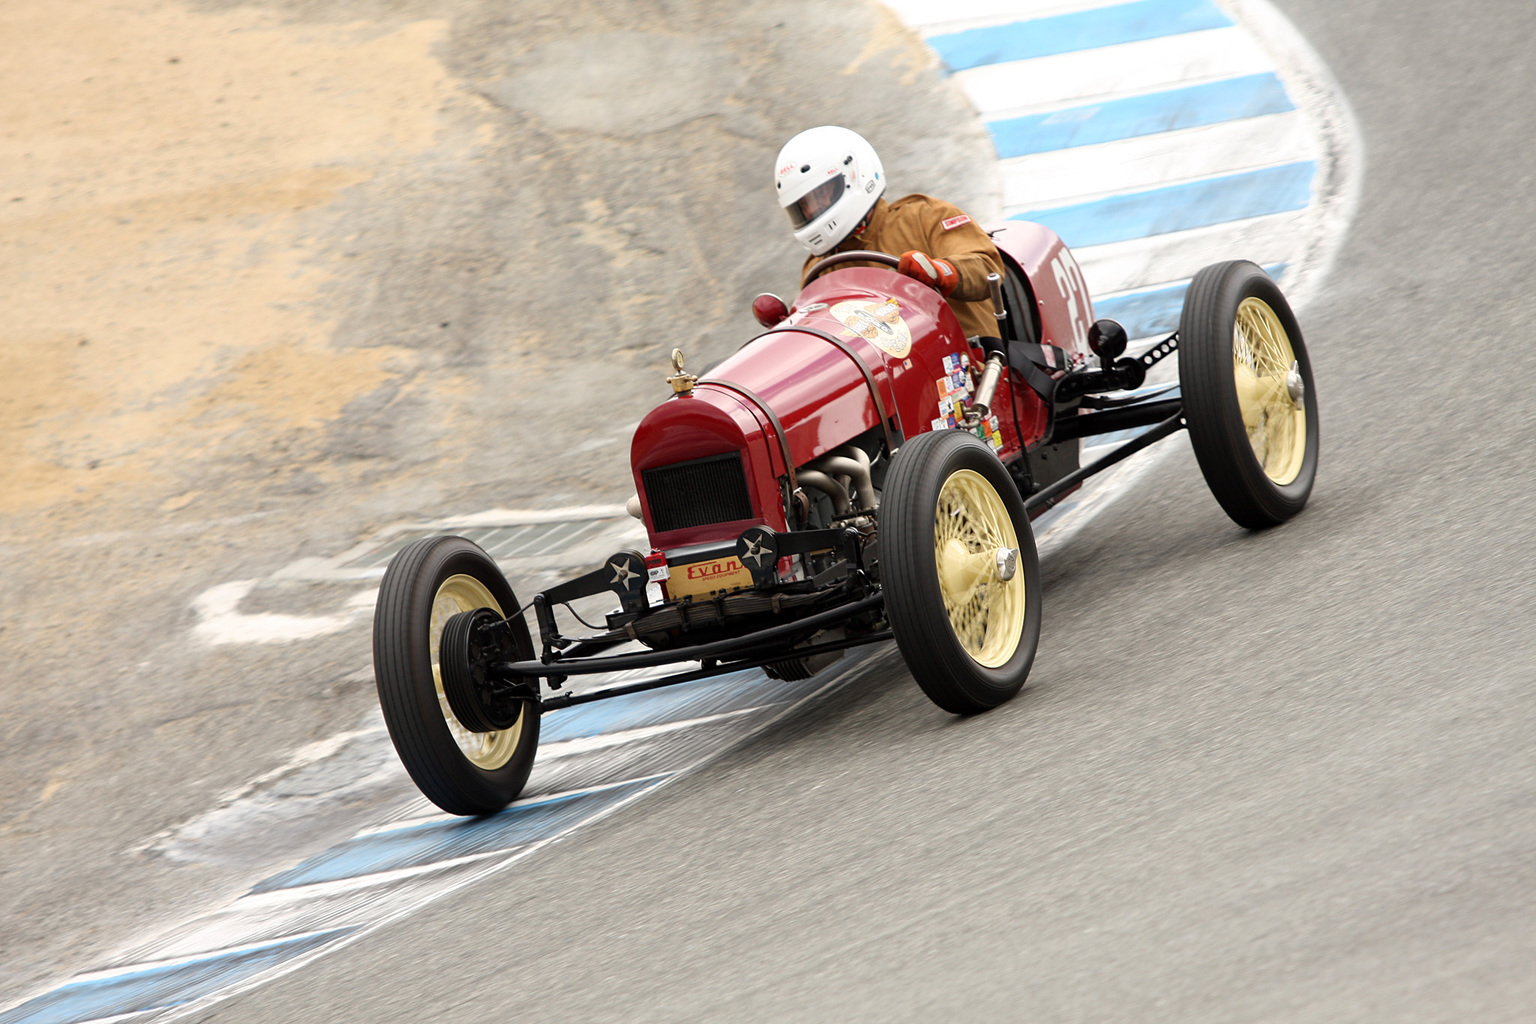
(721, 657)
(567, 699)
(742, 647)
(1047, 496)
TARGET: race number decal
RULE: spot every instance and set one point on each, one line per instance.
(879, 323)
(1074, 292)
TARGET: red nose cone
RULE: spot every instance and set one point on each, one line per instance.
(769, 309)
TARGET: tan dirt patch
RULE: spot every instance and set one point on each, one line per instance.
(159, 297)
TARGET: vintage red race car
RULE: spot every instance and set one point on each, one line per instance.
(858, 473)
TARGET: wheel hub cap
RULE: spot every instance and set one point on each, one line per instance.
(976, 555)
(1270, 390)
(488, 750)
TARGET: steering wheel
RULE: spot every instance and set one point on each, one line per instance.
(852, 256)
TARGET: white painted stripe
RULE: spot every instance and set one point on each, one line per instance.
(222, 622)
(438, 817)
(149, 965)
(1142, 262)
(936, 19)
(606, 740)
(263, 917)
(1035, 86)
(1086, 173)
(388, 878)
(1341, 150)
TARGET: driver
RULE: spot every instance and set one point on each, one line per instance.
(830, 182)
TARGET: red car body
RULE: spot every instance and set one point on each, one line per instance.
(820, 396)
(824, 488)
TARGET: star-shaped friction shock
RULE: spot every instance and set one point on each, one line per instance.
(755, 551)
(621, 572)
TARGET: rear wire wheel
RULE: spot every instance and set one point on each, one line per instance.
(459, 770)
(960, 571)
(1248, 395)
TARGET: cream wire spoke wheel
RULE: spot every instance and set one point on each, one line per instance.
(1248, 394)
(970, 530)
(959, 571)
(1262, 364)
(463, 593)
(459, 769)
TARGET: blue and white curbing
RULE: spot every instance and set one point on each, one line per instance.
(1154, 136)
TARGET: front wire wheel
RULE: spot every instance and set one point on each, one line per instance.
(487, 750)
(460, 770)
(1263, 364)
(960, 572)
(970, 526)
(1248, 396)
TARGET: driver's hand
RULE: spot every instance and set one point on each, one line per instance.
(930, 270)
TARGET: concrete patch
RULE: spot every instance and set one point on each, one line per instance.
(623, 83)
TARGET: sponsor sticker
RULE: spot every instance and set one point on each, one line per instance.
(957, 383)
(955, 222)
(879, 323)
(656, 567)
(957, 364)
(707, 577)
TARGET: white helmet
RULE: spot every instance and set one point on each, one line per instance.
(828, 179)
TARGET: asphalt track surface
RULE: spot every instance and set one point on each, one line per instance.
(279, 276)
(1279, 776)
(402, 854)
(1282, 776)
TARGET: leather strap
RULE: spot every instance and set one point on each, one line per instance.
(778, 428)
(1027, 358)
(869, 378)
(1049, 356)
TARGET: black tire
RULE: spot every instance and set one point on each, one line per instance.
(476, 773)
(1212, 356)
(959, 678)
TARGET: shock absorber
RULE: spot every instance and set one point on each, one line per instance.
(981, 405)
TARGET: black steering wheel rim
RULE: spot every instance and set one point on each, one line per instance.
(851, 256)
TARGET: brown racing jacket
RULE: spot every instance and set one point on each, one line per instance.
(938, 229)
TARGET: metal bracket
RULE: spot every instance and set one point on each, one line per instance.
(1162, 350)
(760, 548)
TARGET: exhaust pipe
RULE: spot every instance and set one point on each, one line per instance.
(851, 463)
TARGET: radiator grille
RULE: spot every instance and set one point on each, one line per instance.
(697, 492)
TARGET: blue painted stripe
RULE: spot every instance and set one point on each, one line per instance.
(1196, 204)
(1142, 314)
(1118, 437)
(163, 986)
(1080, 30)
(1231, 99)
(438, 841)
(1155, 310)
(734, 692)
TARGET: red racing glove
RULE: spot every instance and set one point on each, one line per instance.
(930, 270)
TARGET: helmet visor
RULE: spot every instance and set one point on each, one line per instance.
(816, 202)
